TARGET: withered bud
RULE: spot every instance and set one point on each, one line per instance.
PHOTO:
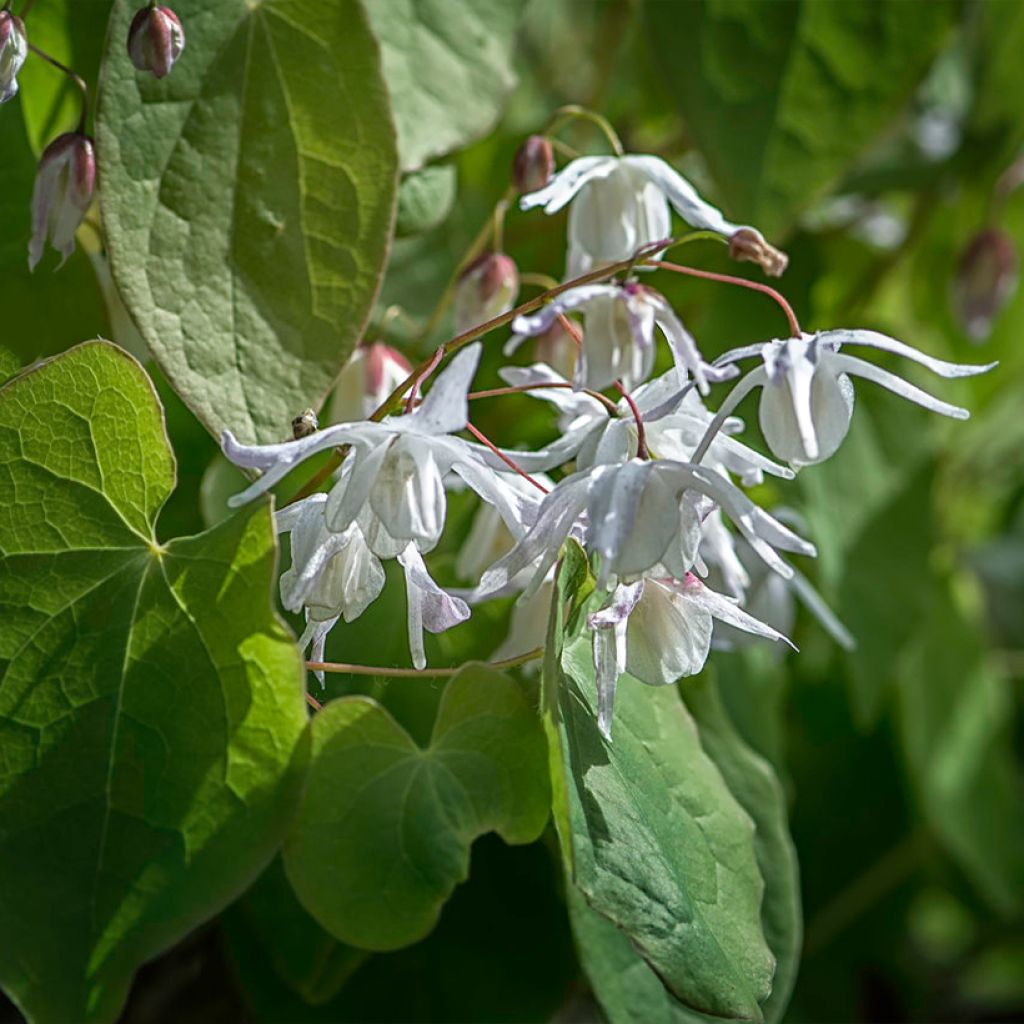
(749, 246)
(985, 281)
(487, 288)
(155, 40)
(533, 165)
(304, 424)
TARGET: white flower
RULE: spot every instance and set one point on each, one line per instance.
(429, 607)
(392, 479)
(622, 203)
(62, 194)
(659, 631)
(807, 401)
(638, 516)
(618, 334)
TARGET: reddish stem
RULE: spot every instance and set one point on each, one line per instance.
(708, 275)
(519, 389)
(641, 434)
(504, 458)
(313, 702)
(421, 376)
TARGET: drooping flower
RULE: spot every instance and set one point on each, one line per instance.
(807, 398)
(638, 517)
(659, 631)
(63, 193)
(618, 334)
(155, 40)
(622, 203)
(13, 51)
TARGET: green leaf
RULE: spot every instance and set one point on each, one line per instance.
(955, 715)
(781, 97)
(382, 834)
(650, 832)
(425, 198)
(448, 68)
(151, 702)
(752, 780)
(248, 201)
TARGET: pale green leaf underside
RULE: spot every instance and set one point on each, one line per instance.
(448, 68)
(248, 200)
(652, 835)
(150, 702)
(383, 832)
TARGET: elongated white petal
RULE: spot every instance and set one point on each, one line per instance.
(571, 404)
(287, 518)
(680, 341)
(429, 606)
(314, 636)
(818, 607)
(532, 324)
(518, 509)
(683, 196)
(887, 344)
(569, 180)
(609, 649)
(445, 410)
(351, 492)
(898, 386)
(694, 592)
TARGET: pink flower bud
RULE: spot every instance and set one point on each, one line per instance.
(13, 51)
(533, 165)
(985, 281)
(63, 192)
(155, 40)
(487, 288)
(372, 373)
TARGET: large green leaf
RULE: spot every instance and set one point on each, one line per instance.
(248, 201)
(448, 69)
(781, 97)
(752, 780)
(150, 702)
(382, 834)
(651, 834)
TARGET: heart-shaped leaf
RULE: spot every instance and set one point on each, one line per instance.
(150, 701)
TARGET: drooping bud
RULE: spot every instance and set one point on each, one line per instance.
(748, 245)
(65, 182)
(487, 288)
(558, 348)
(533, 165)
(372, 373)
(985, 280)
(155, 40)
(13, 51)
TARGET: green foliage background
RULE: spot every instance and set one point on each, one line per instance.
(896, 764)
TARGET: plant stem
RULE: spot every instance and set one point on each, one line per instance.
(567, 113)
(641, 434)
(742, 282)
(504, 458)
(420, 673)
(67, 71)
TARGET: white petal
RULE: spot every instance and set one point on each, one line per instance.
(408, 494)
(445, 410)
(694, 593)
(887, 344)
(352, 491)
(531, 324)
(817, 606)
(667, 639)
(684, 349)
(683, 196)
(898, 386)
(428, 605)
(568, 182)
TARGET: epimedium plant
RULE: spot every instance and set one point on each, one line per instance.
(163, 732)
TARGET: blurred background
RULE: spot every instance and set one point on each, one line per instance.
(882, 145)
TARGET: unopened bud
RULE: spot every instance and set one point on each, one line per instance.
(155, 40)
(533, 165)
(13, 51)
(749, 246)
(558, 348)
(305, 424)
(373, 372)
(985, 280)
(487, 288)
(63, 194)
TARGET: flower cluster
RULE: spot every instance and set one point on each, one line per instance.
(650, 480)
